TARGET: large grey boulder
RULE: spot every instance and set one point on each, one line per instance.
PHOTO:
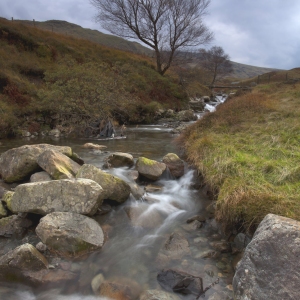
(70, 234)
(19, 163)
(149, 168)
(114, 188)
(81, 196)
(270, 267)
(120, 159)
(175, 164)
(58, 165)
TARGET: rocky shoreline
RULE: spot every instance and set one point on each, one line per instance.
(54, 217)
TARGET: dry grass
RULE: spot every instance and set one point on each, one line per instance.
(248, 151)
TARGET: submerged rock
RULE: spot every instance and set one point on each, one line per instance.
(180, 282)
(81, 196)
(158, 295)
(270, 266)
(19, 163)
(114, 188)
(144, 216)
(149, 168)
(120, 289)
(58, 165)
(70, 234)
(119, 159)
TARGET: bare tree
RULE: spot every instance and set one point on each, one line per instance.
(216, 62)
(166, 26)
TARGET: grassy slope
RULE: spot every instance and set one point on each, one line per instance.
(248, 152)
(91, 35)
(43, 74)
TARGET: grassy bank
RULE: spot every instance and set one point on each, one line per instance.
(49, 79)
(248, 152)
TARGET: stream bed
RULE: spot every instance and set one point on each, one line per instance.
(133, 253)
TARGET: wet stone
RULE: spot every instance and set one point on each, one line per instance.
(180, 282)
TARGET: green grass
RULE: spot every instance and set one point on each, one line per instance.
(248, 152)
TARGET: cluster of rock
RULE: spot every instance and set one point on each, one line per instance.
(66, 194)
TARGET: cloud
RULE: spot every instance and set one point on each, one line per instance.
(262, 33)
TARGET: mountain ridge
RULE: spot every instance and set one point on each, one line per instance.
(240, 71)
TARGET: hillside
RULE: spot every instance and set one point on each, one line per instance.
(49, 79)
(241, 71)
(89, 34)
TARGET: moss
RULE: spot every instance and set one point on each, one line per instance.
(146, 161)
(7, 199)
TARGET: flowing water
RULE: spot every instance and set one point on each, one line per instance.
(132, 253)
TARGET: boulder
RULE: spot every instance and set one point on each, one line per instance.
(114, 188)
(81, 196)
(14, 225)
(119, 159)
(175, 164)
(58, 165)
(22, 264)
(70, 234)
(149, 168)
(180, 282)
(40, 176)
(144, 216)
(270, 266)
(158, 295)
(186, 116)
(19, 163)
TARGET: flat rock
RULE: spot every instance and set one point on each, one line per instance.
(58, 165)
(70, 234)
(82, 196)
(94, 146)
(270, 266)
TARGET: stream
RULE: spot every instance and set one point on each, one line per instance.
(133, 254)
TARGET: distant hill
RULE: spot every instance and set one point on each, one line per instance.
(241, 71)
(90, 34)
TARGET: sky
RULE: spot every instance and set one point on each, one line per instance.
(264, 33)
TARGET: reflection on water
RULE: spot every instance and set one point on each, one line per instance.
(138, 230)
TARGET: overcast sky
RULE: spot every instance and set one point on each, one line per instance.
(263, 33)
